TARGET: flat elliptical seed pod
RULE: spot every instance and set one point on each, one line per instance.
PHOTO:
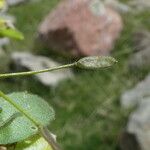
(96, 62)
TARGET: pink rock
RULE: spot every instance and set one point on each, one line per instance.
(81, 28)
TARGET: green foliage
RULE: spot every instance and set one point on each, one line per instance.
(28, 17)
(23, 115)
(36, 114)
(75, 100)
(21, 127)
(88, 110)
(11, 33)
(7, 30)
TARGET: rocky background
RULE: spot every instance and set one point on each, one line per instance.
(107, 109)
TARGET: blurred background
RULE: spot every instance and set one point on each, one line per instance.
(106, 109)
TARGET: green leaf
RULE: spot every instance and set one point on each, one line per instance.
(35, 143)
(11, 33)
(21, 128)
(96, 62)
(7, 29)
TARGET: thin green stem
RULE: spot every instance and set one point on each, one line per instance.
(19, 108)
(8, 75)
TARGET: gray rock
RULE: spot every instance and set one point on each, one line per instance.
(141, 58)
(139, 5)
(139, 126)
(132, 97)
(141, 40)
(117, 5)
(33, 62)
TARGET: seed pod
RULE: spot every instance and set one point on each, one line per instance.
(96, 62)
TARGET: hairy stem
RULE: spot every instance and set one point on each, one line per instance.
(8, 75)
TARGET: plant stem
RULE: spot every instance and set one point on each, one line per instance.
(8, 75)
(48, 137)
(19, 108)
